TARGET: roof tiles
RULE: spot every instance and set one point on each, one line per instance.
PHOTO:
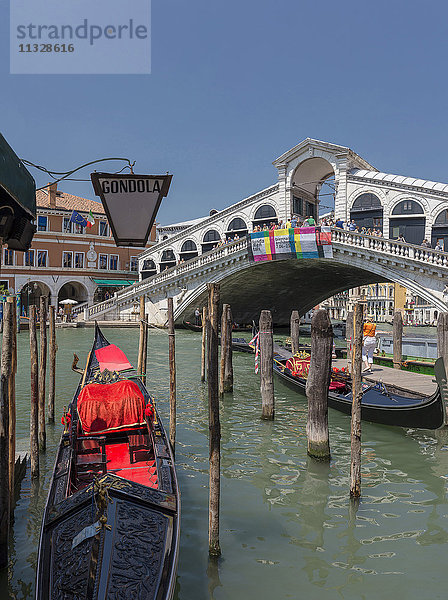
(69, 202)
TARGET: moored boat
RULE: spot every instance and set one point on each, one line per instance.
(380, 403)
(111, 523)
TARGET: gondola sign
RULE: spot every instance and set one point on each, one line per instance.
(131, 203)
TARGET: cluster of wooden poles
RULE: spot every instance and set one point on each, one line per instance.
(220, 381)
(8, 471)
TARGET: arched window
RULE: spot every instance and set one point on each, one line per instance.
(237, 227)
(367, 211)
(188, 250)
(211, 238)
(167, 256)
(442, 218)
(439, 235)
(265, 215)
(366, 202)
(149, 268)
(167, 260)
(149, 265)
(408, 207)
(407, 220)
(188, 246)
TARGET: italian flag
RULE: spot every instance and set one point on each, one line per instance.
(90, 220)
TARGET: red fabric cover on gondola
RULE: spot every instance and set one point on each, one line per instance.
(337, 386)
(112, 358)
(107, 406)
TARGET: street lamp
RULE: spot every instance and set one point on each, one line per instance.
(131, 203)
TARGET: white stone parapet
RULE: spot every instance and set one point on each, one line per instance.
(418, 268)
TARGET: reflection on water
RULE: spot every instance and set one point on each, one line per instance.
(288, 528)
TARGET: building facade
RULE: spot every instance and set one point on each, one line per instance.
(67, 260)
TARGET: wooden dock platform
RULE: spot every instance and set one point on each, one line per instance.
(404, 380)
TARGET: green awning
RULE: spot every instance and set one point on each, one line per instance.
(112, 282)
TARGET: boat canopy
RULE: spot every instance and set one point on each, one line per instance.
(112, 358)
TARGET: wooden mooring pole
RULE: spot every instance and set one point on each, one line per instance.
(34, 409)
(355, 465)
(317, 386)
(5, 490)
(398, 339)
(226, 371)
(295, 332)
(266, 365)
(12, 403)
(442, 337)
(42, 371)
(172, 360)
(214, 423)
(53, 348)
(204, 341)
(141, 338)
(349, 339)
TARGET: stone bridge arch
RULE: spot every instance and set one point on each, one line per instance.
(283, 286)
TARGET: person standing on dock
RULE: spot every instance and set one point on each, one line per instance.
(197, 316)
(369, 343)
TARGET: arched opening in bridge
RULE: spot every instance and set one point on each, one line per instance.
(407, 222)
(211, 239)
(439, 234)
(367, 211)
(30, 295)
(167, 260)
(307, 188)
(149, 268)
(188, 250)
(237, 228)
(265, 215)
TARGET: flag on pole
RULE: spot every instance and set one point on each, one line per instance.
(90, 219)
(78, 219)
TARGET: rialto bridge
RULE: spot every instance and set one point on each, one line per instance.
(187, 256)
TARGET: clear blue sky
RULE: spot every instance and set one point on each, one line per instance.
(234, 84)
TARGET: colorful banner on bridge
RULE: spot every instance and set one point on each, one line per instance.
(279, 244)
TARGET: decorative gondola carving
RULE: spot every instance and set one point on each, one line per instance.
(70, 567)
(135, 571)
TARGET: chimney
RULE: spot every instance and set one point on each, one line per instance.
(52, 189)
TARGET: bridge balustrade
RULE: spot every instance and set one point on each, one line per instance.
(346, 238)
(392, 247)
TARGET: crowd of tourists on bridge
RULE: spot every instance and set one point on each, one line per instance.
(294, 221)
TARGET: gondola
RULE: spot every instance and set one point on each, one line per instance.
(191, 326)
(194, 327)
(111, 523)
(380, 404)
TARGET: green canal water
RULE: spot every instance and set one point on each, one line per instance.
(288, 529)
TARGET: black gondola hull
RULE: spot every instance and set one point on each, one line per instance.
(428, 414)
(134, 556)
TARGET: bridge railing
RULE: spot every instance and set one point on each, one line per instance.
(136, 289)
(391, 247)
(349, 238)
